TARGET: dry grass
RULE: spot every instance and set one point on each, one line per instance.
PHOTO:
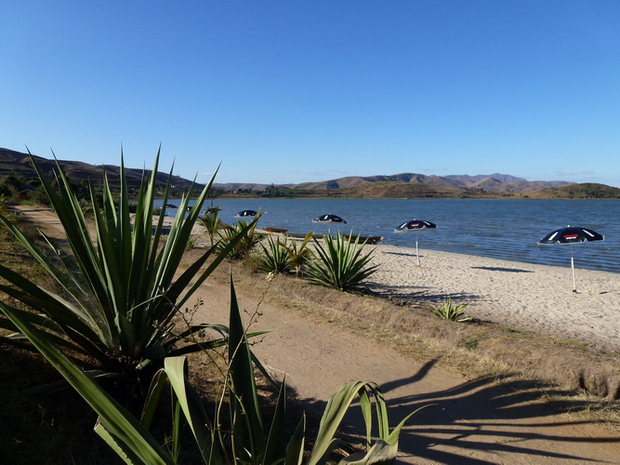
(475, 350)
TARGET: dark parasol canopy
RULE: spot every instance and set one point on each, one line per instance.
(329, 218)
(415, 226)
(245, 213)
(571, 235)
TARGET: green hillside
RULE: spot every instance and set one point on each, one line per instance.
(587, 190)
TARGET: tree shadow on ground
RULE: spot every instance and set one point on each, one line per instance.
(418, 294)
(478, 421)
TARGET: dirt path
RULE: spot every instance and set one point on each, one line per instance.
(473, 422)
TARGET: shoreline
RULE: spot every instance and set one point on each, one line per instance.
(520, 295)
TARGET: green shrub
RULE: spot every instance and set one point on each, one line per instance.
(284, 256)
(244, 237)
(276, 256)
(299, 253)
(211, 222)
(447, 311)
(340, 263)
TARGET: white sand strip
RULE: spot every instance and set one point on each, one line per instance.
(519, 295)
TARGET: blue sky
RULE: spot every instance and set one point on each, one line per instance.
(295, 91)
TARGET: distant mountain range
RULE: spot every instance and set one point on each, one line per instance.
(502, 184)
(493, 182)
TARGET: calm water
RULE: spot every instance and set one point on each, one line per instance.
(506, 229)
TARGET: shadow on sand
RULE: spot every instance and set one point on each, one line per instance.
(499, 268)
(419, 294)
(480, 421)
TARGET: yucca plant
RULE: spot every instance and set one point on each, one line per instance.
(448, 311)
(300, 253)
(120, 291)
(211, 222)
(243, 234)
(276, 257)
(247, 441)
(340, 263)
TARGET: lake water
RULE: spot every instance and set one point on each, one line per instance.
(506, 229)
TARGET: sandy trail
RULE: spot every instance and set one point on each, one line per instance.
(474, 422)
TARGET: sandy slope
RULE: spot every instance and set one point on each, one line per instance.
(474, 421)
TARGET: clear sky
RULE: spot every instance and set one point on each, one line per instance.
(295, 91)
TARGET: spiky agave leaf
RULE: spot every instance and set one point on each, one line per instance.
(119, 288)
(276, 256)
(383, 451)
(340, 263)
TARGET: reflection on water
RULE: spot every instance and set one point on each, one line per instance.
(507, 229)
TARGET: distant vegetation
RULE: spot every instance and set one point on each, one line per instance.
(409, 190)
(588, 190)
(17, 165)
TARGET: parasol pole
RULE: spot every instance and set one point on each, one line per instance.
(572, 266)
(417, 254)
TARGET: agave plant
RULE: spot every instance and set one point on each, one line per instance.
(119, 289)
(282, 256)
(448, 311)
(276, 256)
(211, 222)
(244, 236)
(247, 441)
(300, 253)
(340, 263)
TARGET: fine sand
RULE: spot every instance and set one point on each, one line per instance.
(520, 295)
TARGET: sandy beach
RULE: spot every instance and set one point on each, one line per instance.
(519, 295)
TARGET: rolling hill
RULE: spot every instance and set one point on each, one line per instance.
(77, 171)
(403, 185)
(493, 182)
